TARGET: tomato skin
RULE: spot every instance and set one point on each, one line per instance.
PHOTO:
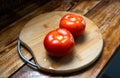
(59, 42)
(74, 23)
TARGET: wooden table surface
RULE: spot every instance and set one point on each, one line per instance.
(105, 13)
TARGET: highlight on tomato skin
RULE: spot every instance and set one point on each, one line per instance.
(74, 23)
(59, 42)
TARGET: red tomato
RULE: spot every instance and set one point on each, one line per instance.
(74, 23)
(59, 42)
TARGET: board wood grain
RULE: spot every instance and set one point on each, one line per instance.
(88, 47)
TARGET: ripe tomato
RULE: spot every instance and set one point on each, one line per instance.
(59, 42)
(74, 23)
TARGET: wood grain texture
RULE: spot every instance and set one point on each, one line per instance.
(84, 4)
(8, 43)
(9, 36)
(106, 16)
(44, 10)
(32, 36)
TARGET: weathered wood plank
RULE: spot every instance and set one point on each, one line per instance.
(67, 5)
(91, 4)
(9, 36)
(13, 30)
(106, 16)
(84, 6)
(10, 60)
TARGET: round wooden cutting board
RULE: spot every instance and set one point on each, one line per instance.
(88, 47)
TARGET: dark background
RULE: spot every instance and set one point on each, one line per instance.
(12, 10)
(112, 69)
